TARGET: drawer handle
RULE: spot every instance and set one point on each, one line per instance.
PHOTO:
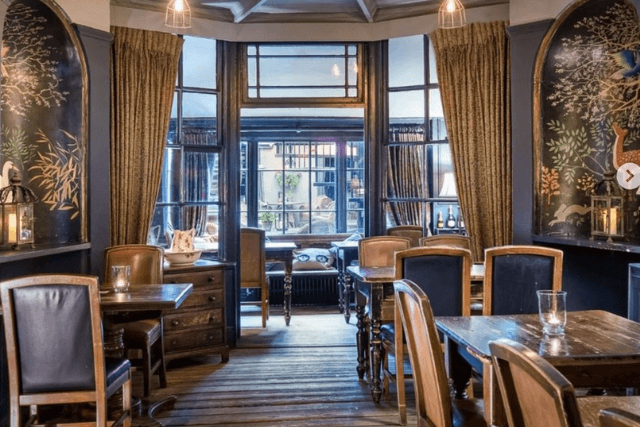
(175, 323)
(211, 279)
(212, 299)
(210, 337)
(174, 342)
(211, 319)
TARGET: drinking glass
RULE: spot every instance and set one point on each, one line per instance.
(553, 314)
(120, 277)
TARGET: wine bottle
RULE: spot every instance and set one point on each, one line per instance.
(451, 220)
(440, 223)
(460, 220)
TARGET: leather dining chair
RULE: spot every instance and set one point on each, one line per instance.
(442, 273)
(613, 417)
(534, 393)
(413, 232)
(452, 240)
(147, 335)
(513, 274)
(434, 405)
(379, 251)
(53, 333)
(253, 267)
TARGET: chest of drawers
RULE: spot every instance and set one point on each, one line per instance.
(198, 326)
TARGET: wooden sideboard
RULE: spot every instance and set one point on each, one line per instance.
(198, 326)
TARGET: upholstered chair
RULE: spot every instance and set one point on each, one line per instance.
(253, 268)
(413, 232)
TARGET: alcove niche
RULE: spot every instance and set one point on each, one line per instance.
(586, 85)
(44, 117)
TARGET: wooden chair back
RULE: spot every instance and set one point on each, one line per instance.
(413, 232)
(413, 311)
(50, 364)
(513, 274)
(379, 251)
(443, 273)
(613, 417)
(146, 262)
(534, 393)
(451, 240)
(252, 257)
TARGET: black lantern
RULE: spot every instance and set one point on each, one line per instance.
(607, 209)
(16, 202)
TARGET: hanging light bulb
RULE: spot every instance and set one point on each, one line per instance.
(451, 14)
(178, 14)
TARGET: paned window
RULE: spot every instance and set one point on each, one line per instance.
(421, 186)
(190, 185)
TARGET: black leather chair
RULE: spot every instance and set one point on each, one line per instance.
(513, 274)
(54, 343)
(147, 335)
(444, 274)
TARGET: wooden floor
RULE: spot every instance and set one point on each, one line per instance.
(301, 375)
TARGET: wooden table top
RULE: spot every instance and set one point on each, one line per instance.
(388, 274)
(592, 334)
(590, 407)
(146, 298)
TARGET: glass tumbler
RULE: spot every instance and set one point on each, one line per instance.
(553, 313)
(120, 277)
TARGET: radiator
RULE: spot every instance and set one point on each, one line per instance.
(306, 290)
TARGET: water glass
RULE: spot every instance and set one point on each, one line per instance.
(553, 313)
(120, 277)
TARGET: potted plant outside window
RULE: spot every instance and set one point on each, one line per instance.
(267, 219)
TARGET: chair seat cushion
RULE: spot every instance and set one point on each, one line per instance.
(141, 333)
(115, 368)
(468, 413)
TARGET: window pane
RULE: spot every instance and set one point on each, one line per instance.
(443, 178)
(437, 129)
(201, 177)
(171, 176)
(433, 71)
(406, 213)
(165, 219)
(206, 221)
(304, 93)
(252, 72)
(292, 71)
(302, 50)
(406, 116)
(172, 135)
(406, 61)
(199, 119)
(199, 62)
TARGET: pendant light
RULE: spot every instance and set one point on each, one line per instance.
(178, 14)
(451, 14)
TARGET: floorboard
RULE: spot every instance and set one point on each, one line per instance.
(301, 375)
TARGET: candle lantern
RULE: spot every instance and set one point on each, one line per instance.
(16, 207)
(607, 209)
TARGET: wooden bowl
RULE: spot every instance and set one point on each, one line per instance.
(182, 258)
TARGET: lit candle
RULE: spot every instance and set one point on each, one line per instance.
(613, 221)
(13, 228)
(121, 284)
(553, 320)
(605, 226)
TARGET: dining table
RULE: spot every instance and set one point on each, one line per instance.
(283, 252)
(598, 350)
(346, 253)
(374, 290)
(140, 301)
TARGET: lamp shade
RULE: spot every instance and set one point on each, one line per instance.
(178, 14)
(451, 14)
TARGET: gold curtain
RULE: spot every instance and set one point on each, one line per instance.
(144, 65)
(474, 74)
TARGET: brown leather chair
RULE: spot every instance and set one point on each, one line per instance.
(434, 405)
(146, 264)
(513, 274)
(253, 268)
(452, 240)
(613, 417)
(53, 365)
(444, 274)
(379, 251)
(413, 232)
(534, 393)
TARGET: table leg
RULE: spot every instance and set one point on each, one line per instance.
(347, 297)
(341, 275)
(376, 352)
(458, 370)
(360, 336)
(288, 268)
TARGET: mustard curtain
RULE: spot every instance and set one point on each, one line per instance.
(144, 65)
(474, 72)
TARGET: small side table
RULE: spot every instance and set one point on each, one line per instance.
(346, 253)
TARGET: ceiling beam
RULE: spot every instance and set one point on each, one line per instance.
(246, 9)
(369, 8)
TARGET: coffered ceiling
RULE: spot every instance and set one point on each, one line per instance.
(256, 11)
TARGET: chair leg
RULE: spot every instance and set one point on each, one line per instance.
(163, 364)
(146, 370)
(384, 355)
(265, 303)
(399, 355)
(126, 401)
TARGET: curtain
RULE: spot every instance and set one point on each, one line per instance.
(144, 66)
(198, 184)
(474, 75)
(405, 180)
